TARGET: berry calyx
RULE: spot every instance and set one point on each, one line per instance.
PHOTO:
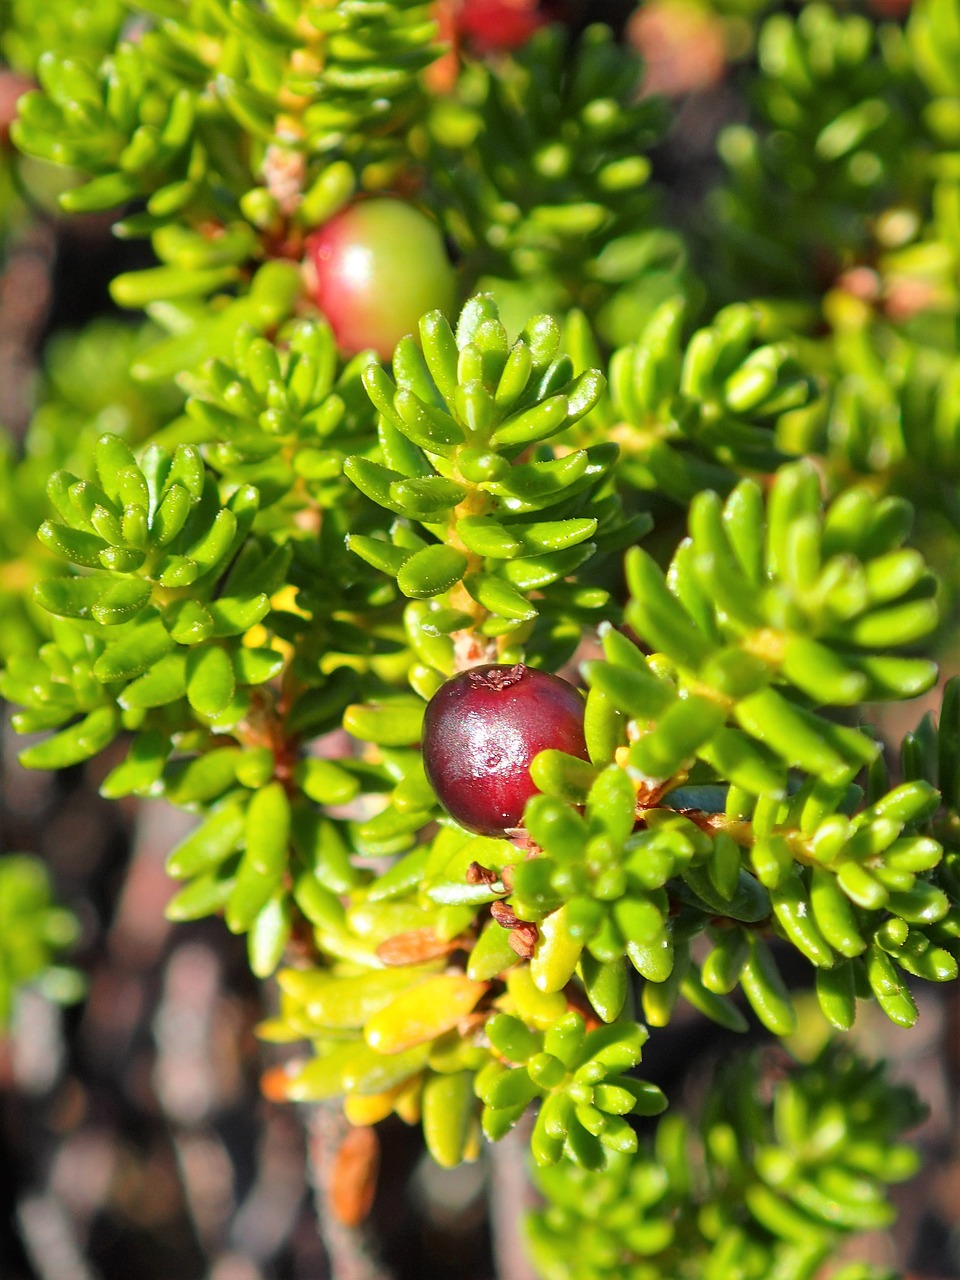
(481, 732)
(374, 269)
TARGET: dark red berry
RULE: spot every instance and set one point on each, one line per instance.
(374, 269)
(481, 732)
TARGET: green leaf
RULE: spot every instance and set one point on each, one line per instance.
(791, 905)
(81, 741)
(256, 666)
(530, 425)
(99, 597)
(139, 288)
(375, 481)
(431, 571)
(269, 935)
(556, 954)
(201, 897)
(211, 843)
(892, 993)
(532, 573)
(210, 551)
(724, 964)
(605, 985)
(188, 622)
(715, 1007)
(378, 552)
(390, 724)
(112, 458)
(822, 674)
(834, 915)
(765, 989)
(565, 776)
(142, 644)
(487, 537)
(266, 839)
(836, 994)
(171, 515)
(750, 901)
(426, 426)
(500, 597)
(514, 377)
(177, 571)
(100, 194)
(636, 690)
(405, 874)
(425, 498)
(72, 544)
(210, 680)
(680, 732)
(733, 755)
(165, 682)
(141, 771)
(780, 726)
(901, 624)
(448, 1110)
(322, 844)
(553, 535)
(440, 353)
(893, 677)
(326, 782)
(658, 616)
(492, 954)
(202, 779)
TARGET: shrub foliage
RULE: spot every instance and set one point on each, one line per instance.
(679, 455)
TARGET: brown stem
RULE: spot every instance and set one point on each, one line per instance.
(351, 1250)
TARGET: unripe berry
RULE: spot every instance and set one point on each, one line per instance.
(374, 269)
(481, 731)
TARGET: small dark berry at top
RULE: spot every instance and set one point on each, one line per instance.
(481, 732)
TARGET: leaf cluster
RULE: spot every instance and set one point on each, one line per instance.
(168, 113)
(546, 184)
(453, 431)
(767, 1180)
(842, 141)
(693, 412)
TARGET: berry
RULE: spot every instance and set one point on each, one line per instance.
(499, 24)
(481, 732)
(374, 269)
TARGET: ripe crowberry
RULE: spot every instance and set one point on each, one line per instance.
(481, 732)
(374, 269)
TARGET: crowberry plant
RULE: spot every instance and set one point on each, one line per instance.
(459, 370)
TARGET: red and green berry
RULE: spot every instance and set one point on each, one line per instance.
(374, 269)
